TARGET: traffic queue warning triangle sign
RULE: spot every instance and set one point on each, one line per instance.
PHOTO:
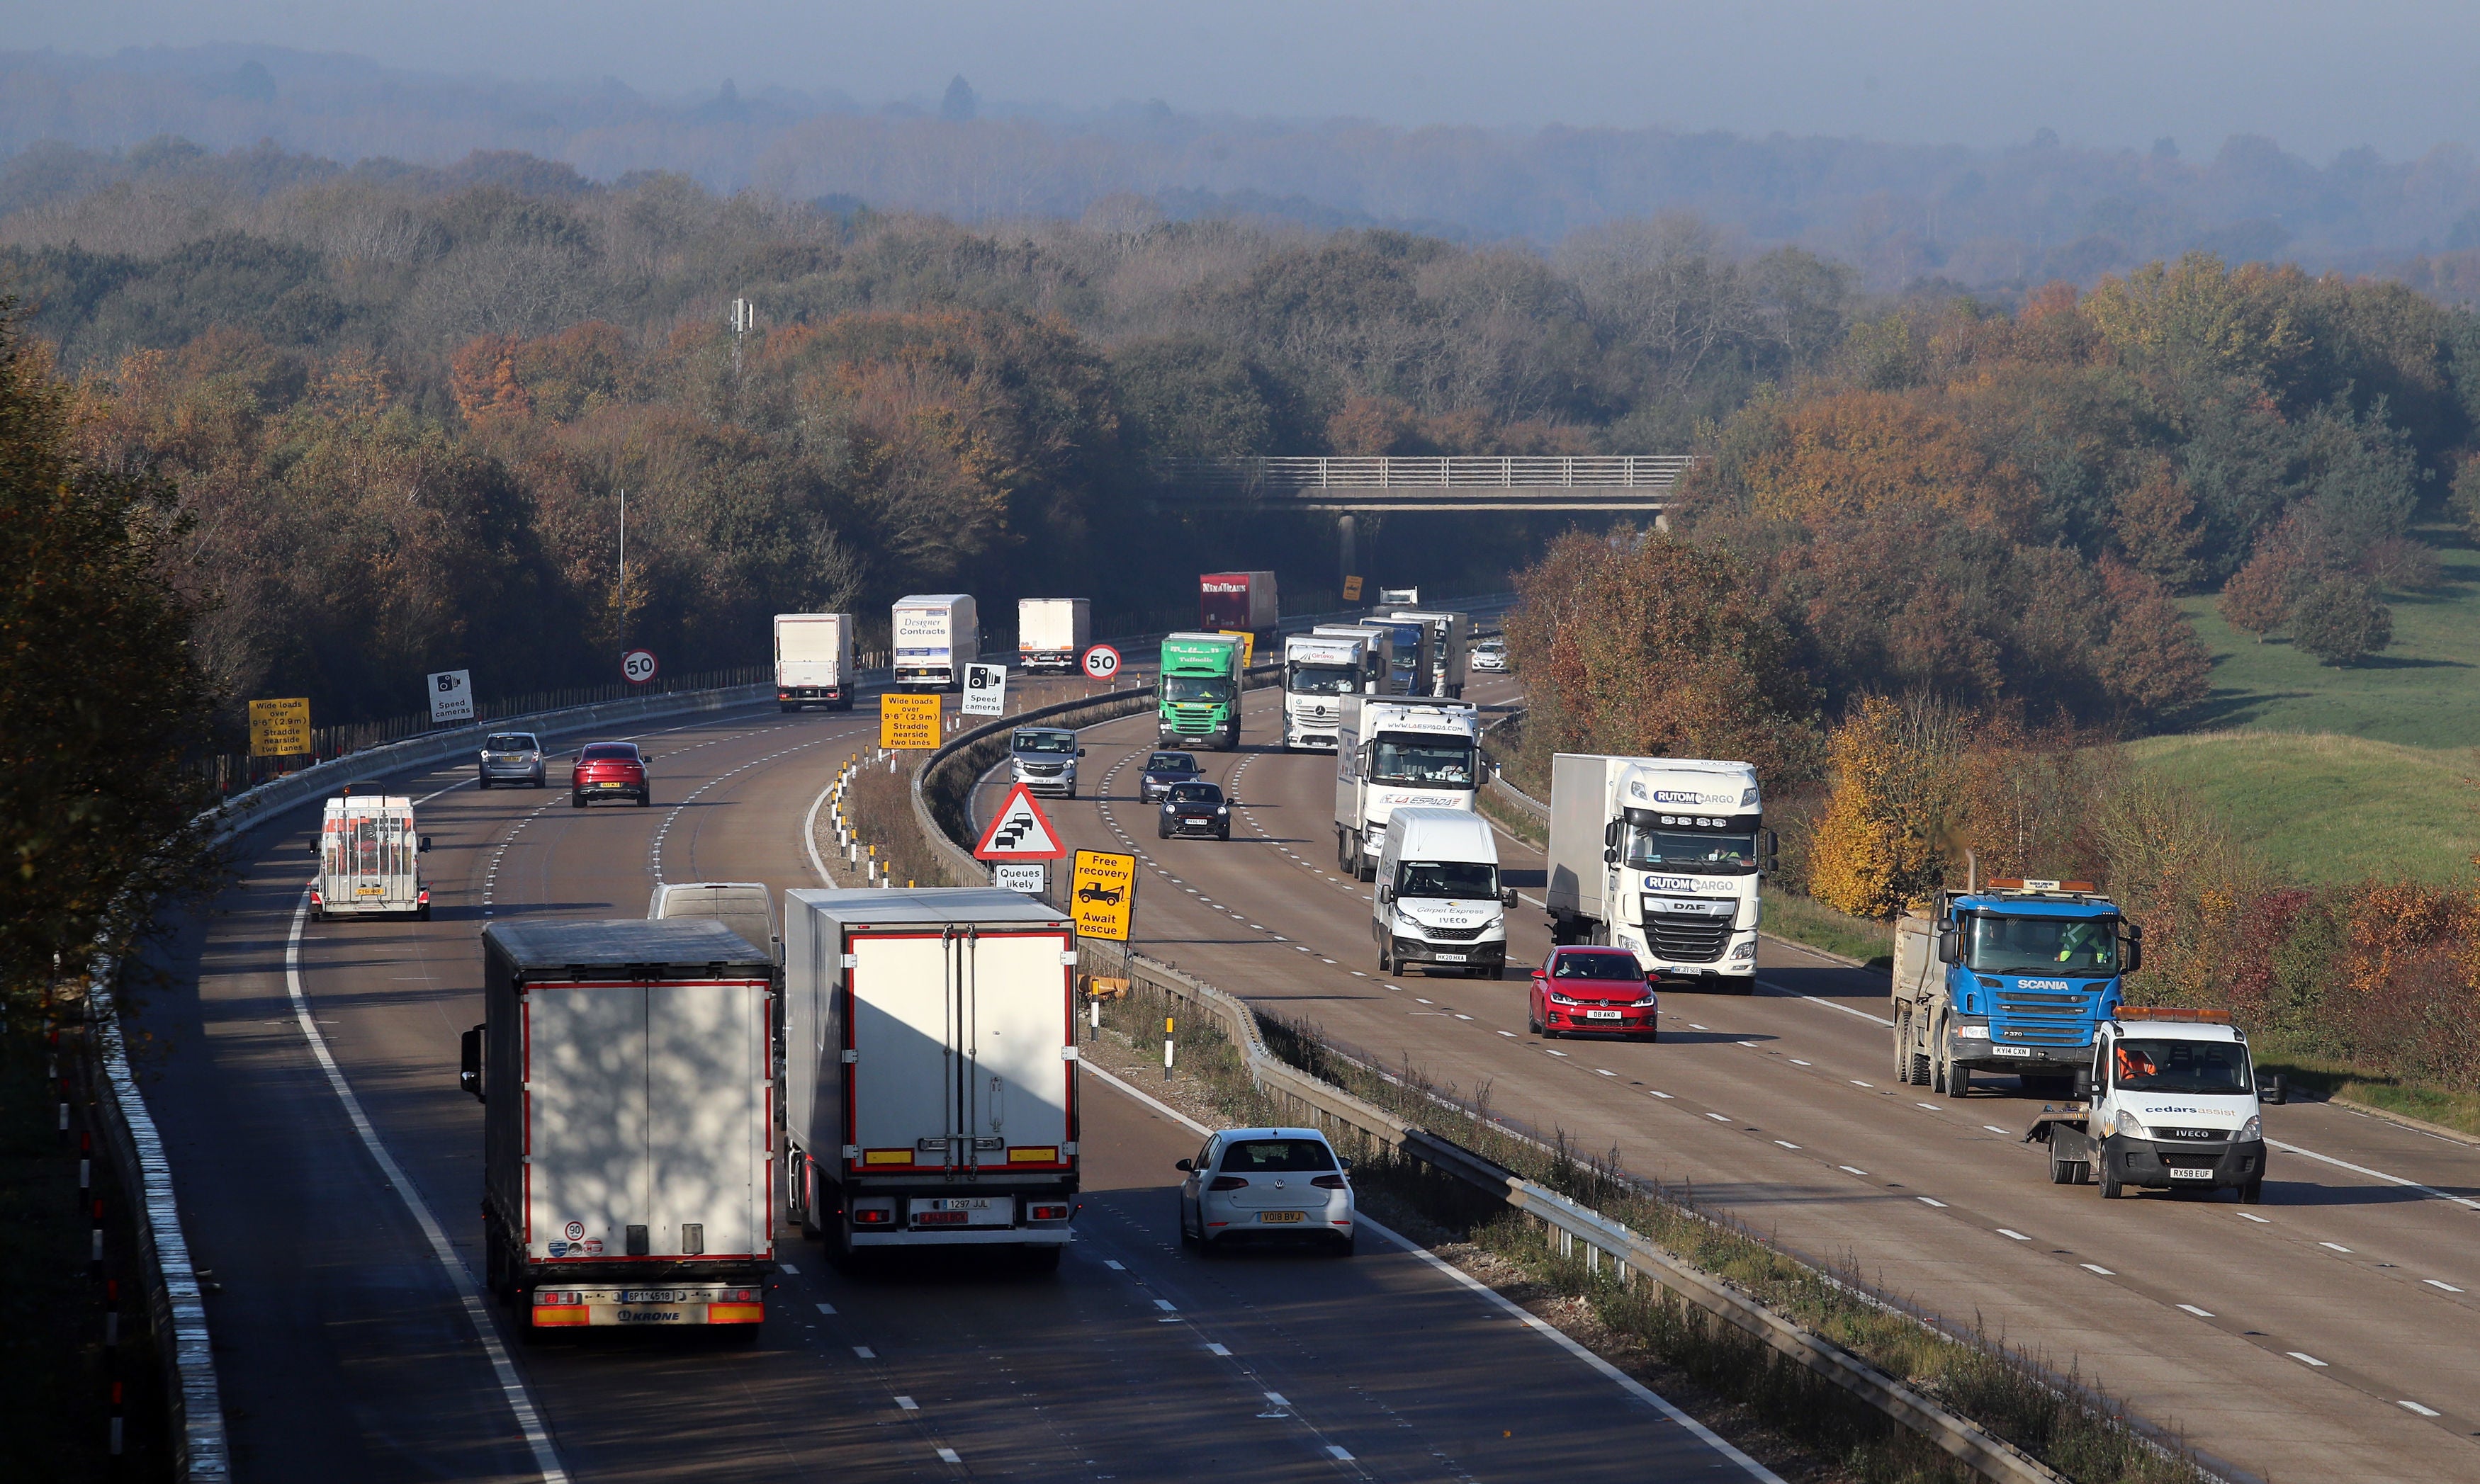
(1020, 831)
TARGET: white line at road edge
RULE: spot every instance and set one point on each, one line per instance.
(1513, 1310)
(2376, 1174)
(511, 1386)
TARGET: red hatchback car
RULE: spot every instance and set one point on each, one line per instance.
(608, 770)
(1592, 992)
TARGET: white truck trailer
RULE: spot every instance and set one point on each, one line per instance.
(930, 1069)
(625, 1070)
(1397, 750)
(1661, 855)
(813, 660)
(1051, 633)
(937, 636)
(1318, 670)
(370, 859)
(1450, 634)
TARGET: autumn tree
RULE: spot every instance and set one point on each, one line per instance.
(2259, 597)
(2151, 663)
(2340, 621)
(1896, 798)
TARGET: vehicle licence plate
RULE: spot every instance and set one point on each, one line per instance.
(1279, 1216)
(1602, 1014)
(1450, 958)
(606, 785)
(2010, 1051)
(2178, 1172)
(370, 891)
(653, 1297)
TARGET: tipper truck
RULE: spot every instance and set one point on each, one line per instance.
(1660, 856)
(813, 660)
(937, 636)
(1448, 635)
(2013, 979)
(1198, 694)
(625, 1075)
(930, 1069)
(2170, 1102)
(1051, 632)
(1242, 602)
(1318, 668)
(1392, 751)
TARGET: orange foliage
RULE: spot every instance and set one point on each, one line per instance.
(1854, 454)
(483, 378)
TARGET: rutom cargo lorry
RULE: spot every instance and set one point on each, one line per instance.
(2170, 1102)
(1450, 634)
(930, 1069)
(1242, 602)
(1437, 904)
(1051, 633)
(813, 660)
(1198, 693)
(1391, 751)
(370, 859)
(2013, 979)
(1318, 669)
(1381, 653)
(626, 1073)
(1660, 856)
(937, 636)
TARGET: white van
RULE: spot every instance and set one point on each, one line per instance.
(746, 907)
(1439, 903)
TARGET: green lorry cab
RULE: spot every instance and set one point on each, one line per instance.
(1198, 696)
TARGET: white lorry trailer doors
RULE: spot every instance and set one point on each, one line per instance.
(1051, 632)
(935, 636)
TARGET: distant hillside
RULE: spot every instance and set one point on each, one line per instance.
(2332, 809)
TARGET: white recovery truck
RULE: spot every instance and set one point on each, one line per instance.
(1319, 670)
(1660, 856)
(1397, 750)
(813, 660)
(2170, 1103)
(370, 859)
(930, 1069)
(1052, 632)
(935, 636)
(625, 1070)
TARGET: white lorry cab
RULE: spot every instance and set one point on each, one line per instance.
(370, 859)
(1437, 903)
(1661, 855)
(1318, 669)
(1391, 751)
(2172, 1103)
(1379, 646)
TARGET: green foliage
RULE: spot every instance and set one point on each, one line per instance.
(2341, 621)
(2326, 809)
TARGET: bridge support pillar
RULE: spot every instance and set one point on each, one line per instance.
(1347, 530)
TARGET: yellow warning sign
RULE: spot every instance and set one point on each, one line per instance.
(1247, 644)
(908, 721)
(1102, 894)
(1350, 590)
(279, 728)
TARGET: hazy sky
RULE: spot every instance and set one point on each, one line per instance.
(2399, 75)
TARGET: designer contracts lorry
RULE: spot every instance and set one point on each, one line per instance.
(930, 1069)
(1661, 855)
(1052, 632)
(1395, 751)
(813, 660)
(2173, 1104)
(937, 636)
(625, 1070)
(2016, 978)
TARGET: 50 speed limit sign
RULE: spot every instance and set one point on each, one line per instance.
(638, 665)
(1101, 662)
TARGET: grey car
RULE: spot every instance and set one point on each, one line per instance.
(512, 758)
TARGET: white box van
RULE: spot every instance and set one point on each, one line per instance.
(1439, 903)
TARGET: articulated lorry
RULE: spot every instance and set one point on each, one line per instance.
(1242, 602)
(1448, 635)
(1198, 694)
(813, 660)
(626, 1079)
(1319, 668)
(930, 1069)
(370, 859)
(937, 636)
(2171, 1102)
(1415, 655)
(1395, 751)
(2014, 979)
(1662, 856)
(1381, 657)
(1051, 632)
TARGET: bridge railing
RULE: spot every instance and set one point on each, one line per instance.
(1599, 470)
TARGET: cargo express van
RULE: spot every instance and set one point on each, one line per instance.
(1438, 904)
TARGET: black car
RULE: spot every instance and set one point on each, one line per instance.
(1163, 770)
(1193, 808)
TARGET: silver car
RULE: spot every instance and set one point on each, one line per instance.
(512, 758)
(1043, 759)
(1489, 654)
(1253, 1185)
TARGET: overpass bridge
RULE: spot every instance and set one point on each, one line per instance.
(1604, 482)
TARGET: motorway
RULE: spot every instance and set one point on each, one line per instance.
(2328, 1334)
(328, 1171)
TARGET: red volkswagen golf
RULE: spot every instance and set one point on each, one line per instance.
(1592, 992)
(608, 770)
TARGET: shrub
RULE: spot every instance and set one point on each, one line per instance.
(2340, 620)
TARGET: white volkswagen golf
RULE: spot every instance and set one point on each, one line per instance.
(1266, 1184)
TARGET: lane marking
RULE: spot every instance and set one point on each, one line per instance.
(1279, 1399)
(2377, 1174)
(1217, 1349)
(950, 1456)
(2416, 1407)
(1995, 1129)
(1786, 1143)
(826, 1308)
(2436, 1283)
(1851, 1169)
(1813, 999)
(2097, 1267)
(2259, 1220)
(1339, 1451)
(2336, 1245)
(512, 1387)
(2202, 1314)
(1931, 1201)
(864, 1352)
(2305, 1359)
(2008, 1230)
(907, 1404)
(1857, 1083)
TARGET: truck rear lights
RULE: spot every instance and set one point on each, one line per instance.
(940, 1217)
(738, 1296)
(1042, 1154)
(1046, 1213)
(1328, 1182)
(557, 1299)
(735, 1314)
(1229, 1183)
(873, 1217)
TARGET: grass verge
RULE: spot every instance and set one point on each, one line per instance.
(879, 803)
(2327, 808)
(1808, 920)
(2326, 1077)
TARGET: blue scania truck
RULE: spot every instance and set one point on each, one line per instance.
(2011, 979)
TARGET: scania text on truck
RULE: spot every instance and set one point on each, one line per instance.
(813, 660)
(1392, 752)
(2172, 1104)
(626, 1073)
(930, 1069)
(1660, 856)
(2014, 979)
(1448, 635)
(1242, 602)
(1317, 669)
(370, 859)
(1052, 632)
(1198, 693)
(1437, 904)
(1381, 658)
(937, 636)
